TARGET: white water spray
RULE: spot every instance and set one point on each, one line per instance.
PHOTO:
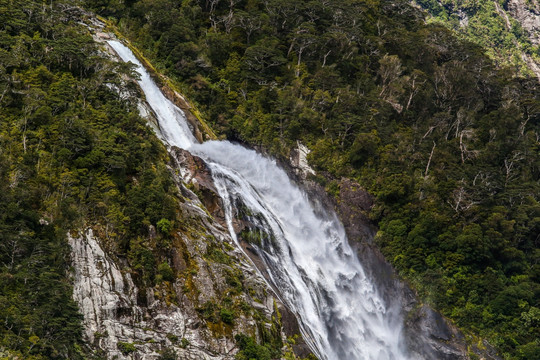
(307, 255)
(172, 122)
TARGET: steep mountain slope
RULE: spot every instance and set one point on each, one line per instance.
(508, 30)
(427, 335)
(446, 141)
(88, 199)
(527, 13)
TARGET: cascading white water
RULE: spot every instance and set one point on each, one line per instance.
(308, 258)
(172, 122)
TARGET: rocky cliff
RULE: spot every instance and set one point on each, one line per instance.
(207, 293)
(428, 334)
(217, 293)
(527, 13)
(520, 21)
(217, 289)
(122, 320)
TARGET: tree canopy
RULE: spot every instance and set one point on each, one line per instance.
(445, 140)
(74, 153)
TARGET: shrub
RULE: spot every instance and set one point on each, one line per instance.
(184, 343)
(164, 226)
(166, 272)
(168, 354)
(250, 350)
(227, 316)
(126, 348)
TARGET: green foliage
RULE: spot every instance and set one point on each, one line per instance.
(209, 311)
(253, 236)
(234, 279)
(74, 153)
(126, 348)
(529, 351)
(165, 226)
(184, 343)
(214, 313)
(142, 260)
(227, 316)
(168, 354)
(270, 341)
(446, 141)
(484, 23)
(166, 272)
(172, 338)
(216, 254)
(250, 350)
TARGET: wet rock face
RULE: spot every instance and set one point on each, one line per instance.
(118, 315)
(354, 206)
(194, 171)
(427, 334)
(435, 338)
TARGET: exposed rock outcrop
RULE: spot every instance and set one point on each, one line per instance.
(194, 171)
(123, 320)
(299, 161)
(527, 13)
(524, 12)
(116, 313)
(107, 298)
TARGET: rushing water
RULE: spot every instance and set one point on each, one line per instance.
(307, 256)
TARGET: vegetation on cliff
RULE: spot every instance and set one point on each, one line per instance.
(73, 152)
(447, 142)
(486, 23)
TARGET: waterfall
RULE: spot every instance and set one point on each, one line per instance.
(306, 253)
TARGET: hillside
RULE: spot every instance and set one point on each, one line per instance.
(94, 225)
(507, 30)
(445, 140)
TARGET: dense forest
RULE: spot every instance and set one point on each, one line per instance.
(485, 23)
(445, 140)
(73, 153)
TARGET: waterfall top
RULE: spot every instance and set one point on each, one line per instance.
(307, 255)
(172, 120)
